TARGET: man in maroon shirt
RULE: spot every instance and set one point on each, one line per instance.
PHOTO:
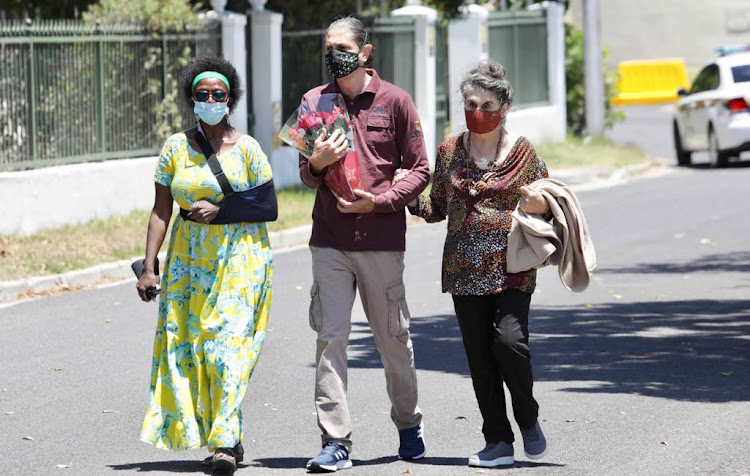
(360, 244)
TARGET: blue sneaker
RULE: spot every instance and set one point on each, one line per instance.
(411, 443)
(534, 442)
(333, 457)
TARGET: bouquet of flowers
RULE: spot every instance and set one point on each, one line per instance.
(308, 122)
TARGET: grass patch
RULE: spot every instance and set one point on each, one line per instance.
(71, 247)
(600, 153)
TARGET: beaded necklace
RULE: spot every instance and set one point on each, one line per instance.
(477, 186)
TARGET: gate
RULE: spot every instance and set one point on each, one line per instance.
(303, 66)
(518, 41)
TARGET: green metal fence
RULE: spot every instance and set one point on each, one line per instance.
(393, 39)
(518, 40)
(75, 92)
(303, 66)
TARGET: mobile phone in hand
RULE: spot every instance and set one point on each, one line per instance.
(138, 266)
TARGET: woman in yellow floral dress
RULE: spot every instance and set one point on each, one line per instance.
(216, 287)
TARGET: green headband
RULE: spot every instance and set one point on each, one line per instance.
(212, 75)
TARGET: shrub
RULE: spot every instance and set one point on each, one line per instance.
(575, 96)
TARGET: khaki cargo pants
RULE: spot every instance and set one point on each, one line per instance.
(378, 275)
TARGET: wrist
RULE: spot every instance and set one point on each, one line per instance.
(314, 167)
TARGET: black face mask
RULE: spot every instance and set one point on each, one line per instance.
(341, 63)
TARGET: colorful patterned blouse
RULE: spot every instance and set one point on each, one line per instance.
(474, 254)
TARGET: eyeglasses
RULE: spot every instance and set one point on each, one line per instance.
(202, 95)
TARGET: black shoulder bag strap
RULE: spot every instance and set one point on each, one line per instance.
(213, 163)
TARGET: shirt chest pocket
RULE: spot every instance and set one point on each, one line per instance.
(379, 130)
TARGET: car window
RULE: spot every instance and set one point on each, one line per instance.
(741, 74)
(707, 79)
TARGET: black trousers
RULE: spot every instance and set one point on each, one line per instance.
(495, 331)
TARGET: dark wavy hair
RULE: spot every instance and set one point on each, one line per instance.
(211, 63)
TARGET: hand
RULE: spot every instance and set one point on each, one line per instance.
(399, 175)
(533, 201)
(204, 211)
(148, 281)
(364, 204)
(328, 151)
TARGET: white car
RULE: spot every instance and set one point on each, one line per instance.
(715, 114)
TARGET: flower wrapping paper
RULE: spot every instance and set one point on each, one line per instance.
(307, 123)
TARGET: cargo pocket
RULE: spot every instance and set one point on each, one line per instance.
(398, 313)
(316, 309)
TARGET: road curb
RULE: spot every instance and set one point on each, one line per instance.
(106, 273)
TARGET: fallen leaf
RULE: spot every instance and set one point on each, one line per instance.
(570, 420)
(591, 420)
(108, 321)
(298, 287)
(28, 438)
(663, 443)
(588, 306)
(726, 374)
(63, 466)
(623, 413)
(57, 369)
(9, 413)
(461, 418)
(406, 471)
(617, 296)
(705, 241)
(108, 411)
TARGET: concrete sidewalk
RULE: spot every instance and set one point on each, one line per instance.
(580, 179)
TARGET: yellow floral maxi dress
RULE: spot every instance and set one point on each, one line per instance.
(214, 306)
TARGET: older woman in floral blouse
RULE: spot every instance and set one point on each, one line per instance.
(480, 176)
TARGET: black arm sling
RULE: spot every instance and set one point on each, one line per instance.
(257, 204)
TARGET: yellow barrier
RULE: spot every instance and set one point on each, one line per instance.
(650, 81)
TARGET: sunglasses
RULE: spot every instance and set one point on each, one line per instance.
(202, 95)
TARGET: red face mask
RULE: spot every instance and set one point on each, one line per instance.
(482, 122)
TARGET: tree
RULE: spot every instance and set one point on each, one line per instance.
(45, 8)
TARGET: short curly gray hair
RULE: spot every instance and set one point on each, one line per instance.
(490, 76)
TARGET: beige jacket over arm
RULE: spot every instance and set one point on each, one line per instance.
(534, 242)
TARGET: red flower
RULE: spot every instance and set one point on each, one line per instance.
(309, 121)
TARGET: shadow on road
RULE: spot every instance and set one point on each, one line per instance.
(182, 466)
(726, 262)
(733, 164)
(681, 350)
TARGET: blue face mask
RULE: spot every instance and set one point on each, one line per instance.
(211, 112)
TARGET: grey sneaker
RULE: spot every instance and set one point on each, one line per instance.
(534, 442)
(494, 454)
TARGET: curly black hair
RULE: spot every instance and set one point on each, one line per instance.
(211, 63)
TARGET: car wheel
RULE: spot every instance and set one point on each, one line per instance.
(683, 156)
(716, 157)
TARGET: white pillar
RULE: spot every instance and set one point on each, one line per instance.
(467, 45)
(556, 86)
(266, 57)
(424, 70)
(233, 50)
(593, 77)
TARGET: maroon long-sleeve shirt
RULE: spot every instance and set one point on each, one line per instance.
(387, 136)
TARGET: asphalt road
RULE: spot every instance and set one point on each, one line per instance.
(647, 372)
